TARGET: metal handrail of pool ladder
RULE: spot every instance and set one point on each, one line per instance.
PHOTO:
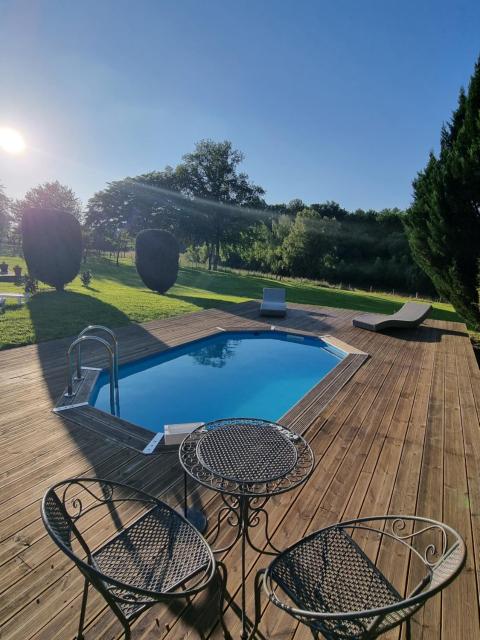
(114, 343)
(75, 344)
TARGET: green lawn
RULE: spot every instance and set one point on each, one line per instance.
(117, 296)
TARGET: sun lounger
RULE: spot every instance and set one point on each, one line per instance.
(409, 316)
(273, 303)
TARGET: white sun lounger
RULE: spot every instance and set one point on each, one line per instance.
(273, 303)
(409, 316)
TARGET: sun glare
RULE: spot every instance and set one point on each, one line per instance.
(11, 141)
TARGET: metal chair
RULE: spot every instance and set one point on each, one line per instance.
(327, 581)
(152, 554)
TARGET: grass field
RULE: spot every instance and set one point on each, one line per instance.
(117, 296)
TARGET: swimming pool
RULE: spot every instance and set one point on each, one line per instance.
(259, 374)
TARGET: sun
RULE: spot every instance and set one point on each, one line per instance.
(11, 141)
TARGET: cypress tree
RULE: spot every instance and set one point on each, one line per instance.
(156, 259)
(443, 222)
(52, 245)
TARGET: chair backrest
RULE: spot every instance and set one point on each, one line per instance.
(442, 558)
(274, 294)
(451, 558)
(56, 519)
(448, 567)
(64, 505)
(67, 502)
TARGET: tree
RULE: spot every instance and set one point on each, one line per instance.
(330, 209)
(146, 201)
(156, 259)
(52, 245)
(295, 206)
(443, 223)
(4, 214)
(209, 178)
(49, 195)
(324, 241)
(263, 248)
(310, 241)
(205, 200)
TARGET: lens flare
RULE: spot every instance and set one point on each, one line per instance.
(11, 141)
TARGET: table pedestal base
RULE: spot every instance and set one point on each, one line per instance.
(243, 513)
(247, 461)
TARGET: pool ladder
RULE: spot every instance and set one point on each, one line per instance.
(111, 346)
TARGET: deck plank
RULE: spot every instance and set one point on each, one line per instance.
(401, 435)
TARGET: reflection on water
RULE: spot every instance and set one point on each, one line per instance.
(216, 354)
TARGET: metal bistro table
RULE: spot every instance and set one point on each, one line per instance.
(247, 461)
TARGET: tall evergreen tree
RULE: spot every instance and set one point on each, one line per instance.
(443, 223)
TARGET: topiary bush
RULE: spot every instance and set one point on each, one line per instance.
(156, 258)
(52, 246)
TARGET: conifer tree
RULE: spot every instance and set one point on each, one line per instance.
(443, 223)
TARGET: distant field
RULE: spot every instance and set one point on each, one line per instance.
(117, 296)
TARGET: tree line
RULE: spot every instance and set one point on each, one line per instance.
(219, 216)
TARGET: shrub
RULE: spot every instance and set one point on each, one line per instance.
(156, 258)
(86, 278)
(52, 246)
(30, 285)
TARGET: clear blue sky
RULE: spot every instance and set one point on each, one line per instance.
(329, 100)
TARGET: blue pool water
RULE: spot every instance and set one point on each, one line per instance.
(241, 374)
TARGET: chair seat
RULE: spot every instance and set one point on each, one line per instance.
(273, 308)
(158, 552)
(329, 573)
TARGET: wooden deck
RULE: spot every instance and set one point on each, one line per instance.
(402, 436)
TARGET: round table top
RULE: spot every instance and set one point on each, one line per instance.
(246, 456)
(247, 452)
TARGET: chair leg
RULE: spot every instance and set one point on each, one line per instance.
(115, 607)
(408, 630)
(222, 573)
(128, 633)
(125, 623)
(258, 603)
(80, 635)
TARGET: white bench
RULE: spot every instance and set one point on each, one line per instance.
(21, 297)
